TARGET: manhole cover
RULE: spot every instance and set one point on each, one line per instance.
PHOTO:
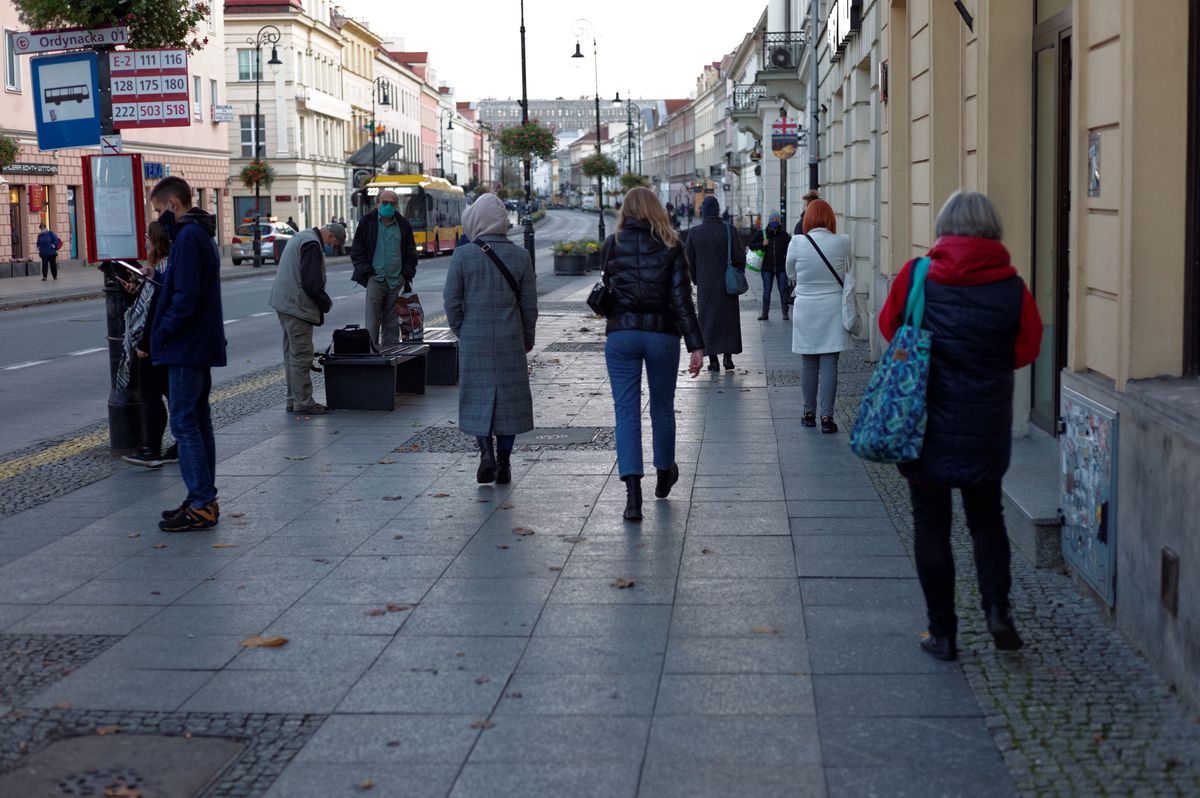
(557, 436)
(131, 765)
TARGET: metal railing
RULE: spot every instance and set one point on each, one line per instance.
(746, 97)
(782, 51)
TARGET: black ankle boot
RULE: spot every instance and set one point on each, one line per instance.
(503, 467)
(765, 315)
(633, 498)
(1003, 630)
(487, 461)
(666, 479)
(713, 363)
(729, 362)
(943, 648)
(785, 313)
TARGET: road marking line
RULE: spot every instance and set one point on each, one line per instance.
(25, 365)
(256, 315)
(88, 351)
(82, 443)
(231, 321)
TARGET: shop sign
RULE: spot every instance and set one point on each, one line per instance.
(154, 170)
(45, 41)
(37, 197)
(222, 113)
(30, 169)
(283, 199)
(785, 137)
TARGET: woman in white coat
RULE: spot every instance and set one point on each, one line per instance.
(818, 330)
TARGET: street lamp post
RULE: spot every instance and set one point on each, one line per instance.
(441, 144)
(267, 34)
(629, 106)
(580, 30)
(528, 223)
(380, 83)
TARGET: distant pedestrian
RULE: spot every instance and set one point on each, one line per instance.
(644, 267)
(292, 224)
(691, 213)
(299, 299)
(384, 255)
(48, 244)
(493, 311)
(819, 335)
(807, 198)
(188, 337)
(152, 380)
(709, 249)
(984, 325)
(775, 243)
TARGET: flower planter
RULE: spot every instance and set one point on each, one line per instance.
(593, 262)
(570, 264)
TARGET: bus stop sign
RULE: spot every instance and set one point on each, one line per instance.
(66, 100)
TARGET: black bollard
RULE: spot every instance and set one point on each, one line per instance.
(124, 407)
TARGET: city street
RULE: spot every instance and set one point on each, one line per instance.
(366, 619)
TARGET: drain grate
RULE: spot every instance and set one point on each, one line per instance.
(445, 439)
(565, 307)
(106, 782)
(575, 346)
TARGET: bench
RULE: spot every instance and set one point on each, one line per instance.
(371, 381)
(443, 356)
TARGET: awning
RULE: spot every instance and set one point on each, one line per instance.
(384, 152)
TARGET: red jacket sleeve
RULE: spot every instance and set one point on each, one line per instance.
(1029, 336)
(891, 316)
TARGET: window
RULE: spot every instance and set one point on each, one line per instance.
(12, 64)
(249, 65)
(248, 139)
(212, 91)
(197, 109)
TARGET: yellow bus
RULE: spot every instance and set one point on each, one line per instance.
(432, 206)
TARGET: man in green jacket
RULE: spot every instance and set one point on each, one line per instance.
(299, 298)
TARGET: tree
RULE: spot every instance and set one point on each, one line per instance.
(152, 23)
(9, 148)
(599, 165)
(630, 180)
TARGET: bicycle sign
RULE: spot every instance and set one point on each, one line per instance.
(150, 88)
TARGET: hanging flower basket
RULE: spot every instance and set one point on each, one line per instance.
(257, 173)
(8, 150)
(599, 165)
(523, 141)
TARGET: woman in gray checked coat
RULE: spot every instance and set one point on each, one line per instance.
(495, 325)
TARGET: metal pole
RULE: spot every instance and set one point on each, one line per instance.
(783, 170)
(374, 161)
(814, 146)
(257, 153)
(528, 224)
(599, 179)
(629, 136)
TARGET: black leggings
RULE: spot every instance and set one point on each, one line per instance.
(49, 266)
(152, 390)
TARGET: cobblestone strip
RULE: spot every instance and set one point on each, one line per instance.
(31, 663)
(1079, 711)
(272, 741)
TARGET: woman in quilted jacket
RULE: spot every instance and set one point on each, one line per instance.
(984, 325)
(645, 269)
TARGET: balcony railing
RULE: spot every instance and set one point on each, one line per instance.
(746, 97)
(782, 51)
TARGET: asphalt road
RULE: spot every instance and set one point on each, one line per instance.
(66, 382)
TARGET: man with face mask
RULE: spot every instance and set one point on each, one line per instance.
(775, 245)
(187, 335)
(384, 255)
(299, 298)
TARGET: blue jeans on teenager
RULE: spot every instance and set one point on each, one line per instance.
(191, 424)
(624, 353)
(770, 279)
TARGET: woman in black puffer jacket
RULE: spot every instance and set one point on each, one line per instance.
(645, 269)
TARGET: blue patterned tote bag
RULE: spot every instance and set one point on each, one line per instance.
(891, 419)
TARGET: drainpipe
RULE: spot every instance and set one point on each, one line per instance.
(814, 145)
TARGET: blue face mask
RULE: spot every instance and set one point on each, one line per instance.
(773, 226)
(387, 210)
(328, 249)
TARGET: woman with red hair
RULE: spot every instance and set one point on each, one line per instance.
(817, 262)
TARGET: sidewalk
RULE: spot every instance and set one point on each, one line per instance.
(445, 638)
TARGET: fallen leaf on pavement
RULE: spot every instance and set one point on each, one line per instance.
(706, 551)
(574, 538)
(393, 743)
(224, 546)
(63, 705)
(392, 498)
(375, 612)
(237, 515)
(366, 784)
(121, 791)
(160, 545)
(398, 608)
(555, 567)
(439, 495)
(621, 584)
(295, 457)
(23, 746)
(386, 461)
(256, 641)
(482, 679)
(106, 730)
(397, 537)
(132, 535)
(502, 545)
(506, 506)
(522, 531)
(482, 724)
(765, 630)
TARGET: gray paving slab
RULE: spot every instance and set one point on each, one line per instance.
(338, 619)
(765, 741)
(860, 592)
(537, 739)
(391, 740)
(211, 619)
(747, 620)
(250, 590)
(736, 694)
(918, 783)
(325, 780)
(495, 780)
(391, 566)
(170, 652)
(837, 621)
(618, 621)
(475, 655)
(526, 590)
(671, 780)
(93, 687)
(369, 590)
(11, 613)
(607, 590)
(725, 566)
(858, 742)
(737, 591)
(609, 654)
(824, 508)
(764, 653)
(873, 653)
(579, 694)
(652, 564)
(445, 692)
(739, 546)
(94, 619)
(514, 620)
(298, 691)
(890, 695)
(314, 652)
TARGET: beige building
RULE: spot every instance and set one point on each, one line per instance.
(198, 152)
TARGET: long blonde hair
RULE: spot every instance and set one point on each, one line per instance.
(641, 203)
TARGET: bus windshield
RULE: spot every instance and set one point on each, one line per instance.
(412, 202)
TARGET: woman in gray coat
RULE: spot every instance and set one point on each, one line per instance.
(494, 315)
(709, 246)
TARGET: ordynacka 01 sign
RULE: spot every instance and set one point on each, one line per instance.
(45, 41)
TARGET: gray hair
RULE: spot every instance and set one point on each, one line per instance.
(969, 213)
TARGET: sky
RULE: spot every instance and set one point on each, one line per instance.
(646, 48)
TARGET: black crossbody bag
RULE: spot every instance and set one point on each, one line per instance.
(601, 299)
(829, 265)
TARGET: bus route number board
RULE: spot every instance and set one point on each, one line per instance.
(149, 88)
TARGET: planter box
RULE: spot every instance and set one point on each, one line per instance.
(570, 264)
(593, 262)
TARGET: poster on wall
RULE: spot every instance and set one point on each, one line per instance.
(113, 207)
(1088, 491)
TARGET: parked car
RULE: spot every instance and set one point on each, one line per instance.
(243, 240)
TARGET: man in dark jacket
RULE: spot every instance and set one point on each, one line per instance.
(187, 336)
(774, 272)
(384, 255)
(48, 244)
(299, 298)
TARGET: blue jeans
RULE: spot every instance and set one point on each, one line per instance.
(624, 353)
(770, 279)
(191, 424)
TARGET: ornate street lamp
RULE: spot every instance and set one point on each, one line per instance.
(267, 34)
(581, 27)
(629, 106)
(441, 144)
(380, 91)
